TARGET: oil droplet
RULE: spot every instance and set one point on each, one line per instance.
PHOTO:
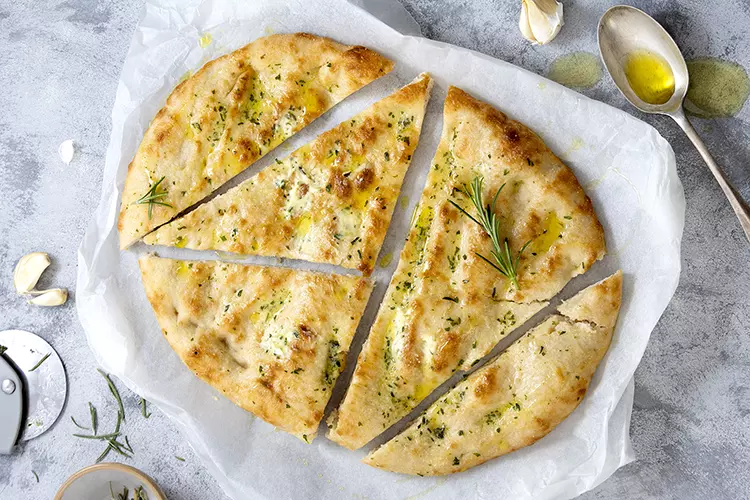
(650, 76)
(404, 201)
(717, 88)
(579, 70)
(269, 30)
(205, 40)
(385, 261)
(553, 229)
(576, 144)
(541, 85)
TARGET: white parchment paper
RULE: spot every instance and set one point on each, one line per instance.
(626, 167)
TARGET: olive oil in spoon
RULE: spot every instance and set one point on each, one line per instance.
(651, 73)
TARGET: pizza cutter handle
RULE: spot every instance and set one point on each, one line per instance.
(11, 406)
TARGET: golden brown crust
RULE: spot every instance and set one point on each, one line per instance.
(445, 307)
(330, 201)
(516, 399)
(231, 112)
(272, 340)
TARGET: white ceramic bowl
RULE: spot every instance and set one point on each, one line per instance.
(93, 483)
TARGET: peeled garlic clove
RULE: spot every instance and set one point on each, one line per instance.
(49, 298)
(540, 20)
(28, 270)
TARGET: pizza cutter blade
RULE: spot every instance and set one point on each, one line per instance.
(43, 386)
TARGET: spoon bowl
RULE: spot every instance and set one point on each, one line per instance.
(625, 31)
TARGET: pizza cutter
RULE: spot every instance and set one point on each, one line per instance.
(33, 387)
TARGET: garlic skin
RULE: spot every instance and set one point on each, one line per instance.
(28, 270)
(66, 150)
(50, 298)
(540, 20)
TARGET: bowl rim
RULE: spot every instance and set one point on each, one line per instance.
(145, 478)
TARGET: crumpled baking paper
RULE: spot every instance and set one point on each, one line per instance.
(626, 167)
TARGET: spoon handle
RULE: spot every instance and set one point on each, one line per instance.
(738, 205)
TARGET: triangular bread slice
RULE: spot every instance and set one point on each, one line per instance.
(272, 340)
(517, 398)
(230, 113)
(329, 201)
(445, 307)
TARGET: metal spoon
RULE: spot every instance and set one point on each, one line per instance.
(623, 30)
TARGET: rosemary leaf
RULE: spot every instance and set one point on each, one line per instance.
(78, 425)
(139, 494)
(143, 403)
(39, 363)
(114, 391)
(92, 412)
(179, 458)
(101, 436)
(103, 456)
(36, 476)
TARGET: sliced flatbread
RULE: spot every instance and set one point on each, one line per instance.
(272, 340)
(445, 307)
(330, 201)
(230, 113)
(517, 398)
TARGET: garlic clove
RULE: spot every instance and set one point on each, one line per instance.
(540, 20)
(523, 23)
(28, 270)
(50, 298)
(66, 151)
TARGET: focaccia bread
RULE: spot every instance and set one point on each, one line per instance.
(517, 398)
(272, 340)
(330, 201)
(230, 113)
(445, 307)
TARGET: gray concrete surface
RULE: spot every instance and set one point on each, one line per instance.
(59, 66)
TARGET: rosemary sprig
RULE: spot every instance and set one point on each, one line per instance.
(139, 494)
(39, 363)
(488, 220)
(153, 197)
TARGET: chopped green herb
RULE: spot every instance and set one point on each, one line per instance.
(36, 476)
(179, 458)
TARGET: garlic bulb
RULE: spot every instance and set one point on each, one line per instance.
(49, 298)
(541, 20)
